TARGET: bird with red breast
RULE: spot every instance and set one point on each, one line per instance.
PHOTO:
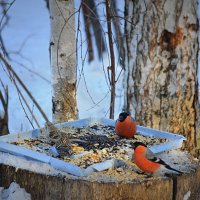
(146, 160)
(125, 126)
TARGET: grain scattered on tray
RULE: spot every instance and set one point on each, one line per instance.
(91, 145)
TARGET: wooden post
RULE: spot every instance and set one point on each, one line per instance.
(64, 188)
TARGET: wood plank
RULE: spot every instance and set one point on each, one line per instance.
(59, 188)
(47, 187)
(188, 184)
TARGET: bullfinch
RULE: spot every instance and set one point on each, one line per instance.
(125, 125)
(145, 159)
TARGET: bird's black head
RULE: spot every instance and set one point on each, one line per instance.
(136, 144)
(123, 116)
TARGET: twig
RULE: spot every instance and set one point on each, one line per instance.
(9, 68)
(5, 11)
(24, 109)
(31, 71)
(98, 102)
(22, 96)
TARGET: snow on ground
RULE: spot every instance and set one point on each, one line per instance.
(14, 192)
(29, 21)
(24, 25)
(180, 160)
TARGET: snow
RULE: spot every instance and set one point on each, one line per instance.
(54, 166)
(14, 192)
(187, 195)
(36, 49)
(176, 142)
(30, 165)
(24, 25)
(175, 156)
(30, 21)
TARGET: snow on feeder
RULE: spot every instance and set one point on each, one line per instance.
(99, 136)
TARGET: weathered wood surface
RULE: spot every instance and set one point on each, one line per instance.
(51, 187)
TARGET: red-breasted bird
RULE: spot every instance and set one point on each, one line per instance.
(125, 125)
(146, 160)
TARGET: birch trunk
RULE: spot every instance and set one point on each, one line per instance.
(161, 66)
(63, 60)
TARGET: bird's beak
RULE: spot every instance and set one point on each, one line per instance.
(133, 146)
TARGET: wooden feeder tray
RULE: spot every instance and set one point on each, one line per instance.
(92, 166)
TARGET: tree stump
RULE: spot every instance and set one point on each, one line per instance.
(47, 187)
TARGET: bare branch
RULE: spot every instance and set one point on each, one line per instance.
(24, 109)
(9, 68)
(5, 11)
(20, 95)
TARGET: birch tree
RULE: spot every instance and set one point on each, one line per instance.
(161, 66)
(63, 62)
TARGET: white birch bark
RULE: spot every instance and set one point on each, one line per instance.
(161, 65)
(63, 57)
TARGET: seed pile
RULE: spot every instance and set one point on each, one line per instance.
(90, 145)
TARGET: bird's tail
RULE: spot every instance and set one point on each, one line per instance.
(170, 168)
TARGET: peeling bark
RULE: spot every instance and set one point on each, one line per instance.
(63, 60)
(161, 66)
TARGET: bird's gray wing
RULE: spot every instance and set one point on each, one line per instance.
(150, 155)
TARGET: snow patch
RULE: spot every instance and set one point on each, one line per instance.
(187, 195)
(14, 192)
(30, 165)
